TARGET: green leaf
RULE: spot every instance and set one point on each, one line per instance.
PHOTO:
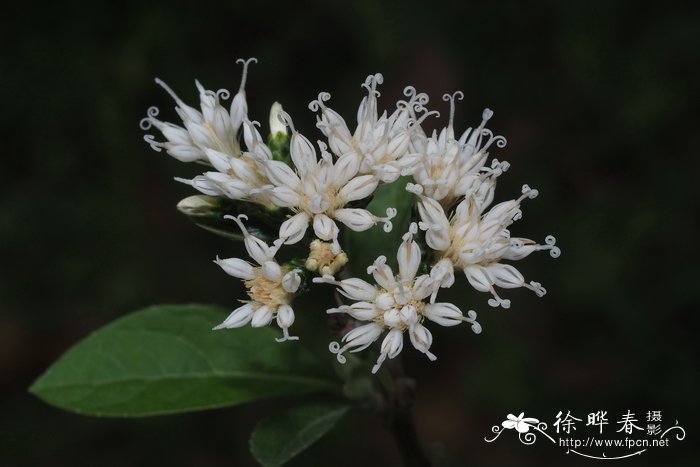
(166, 359)
(363, 248)
(277, 439)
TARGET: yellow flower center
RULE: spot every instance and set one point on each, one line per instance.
(267, 292)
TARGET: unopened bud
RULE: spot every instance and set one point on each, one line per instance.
(200, 206)
(276, 125)
(278, 141)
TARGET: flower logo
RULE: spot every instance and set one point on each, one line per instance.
(522, 425)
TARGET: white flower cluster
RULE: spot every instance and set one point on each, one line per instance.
(398, 303)
(452, 182)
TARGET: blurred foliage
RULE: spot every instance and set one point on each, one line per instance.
(279, 438)
(597, 100)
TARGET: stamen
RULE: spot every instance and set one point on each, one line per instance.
(414, 188)
(415, 103)
(325, 155)
(326, 279)
(286, 120)
(155, 145)
(471, 318)
(186, 181)
(335, 245)
(201, 89)
(474, 141)
(276, 245)
(237, 220)
(537, 288)
(499, 140)
(390, 214)
(370, 112)
(412, 230)
(286, 336)
(244, 75)
(426, 226)
(317, 104)
(413, 123)
(147, 122)
(451, 98)
(381, 260)
(167, 88)
(410, 91)
(371, 84)
(498, 301)
(223, 94)
(550, 241)
(378, 365)
(335, 349)
(527, 193)
(340, 309)
(500, 166)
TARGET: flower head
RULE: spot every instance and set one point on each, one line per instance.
(382, 143)
(211, 135)
(397, 303)
(271, 287)
(318, 191)
(450, 167)
(476, 241)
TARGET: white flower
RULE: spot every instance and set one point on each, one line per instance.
(383, 143)
(318, 191)
(475, 241)
(271, 287)
(451, 168)
(397, 304)
(211, 135)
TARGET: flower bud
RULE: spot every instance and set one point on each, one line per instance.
(277, 128)
(200, 206)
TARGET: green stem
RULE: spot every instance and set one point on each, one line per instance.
(400, 419)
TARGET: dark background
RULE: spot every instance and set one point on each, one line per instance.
(598, 101)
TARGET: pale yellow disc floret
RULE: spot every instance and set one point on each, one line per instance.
(322, 259)
(267, 291)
